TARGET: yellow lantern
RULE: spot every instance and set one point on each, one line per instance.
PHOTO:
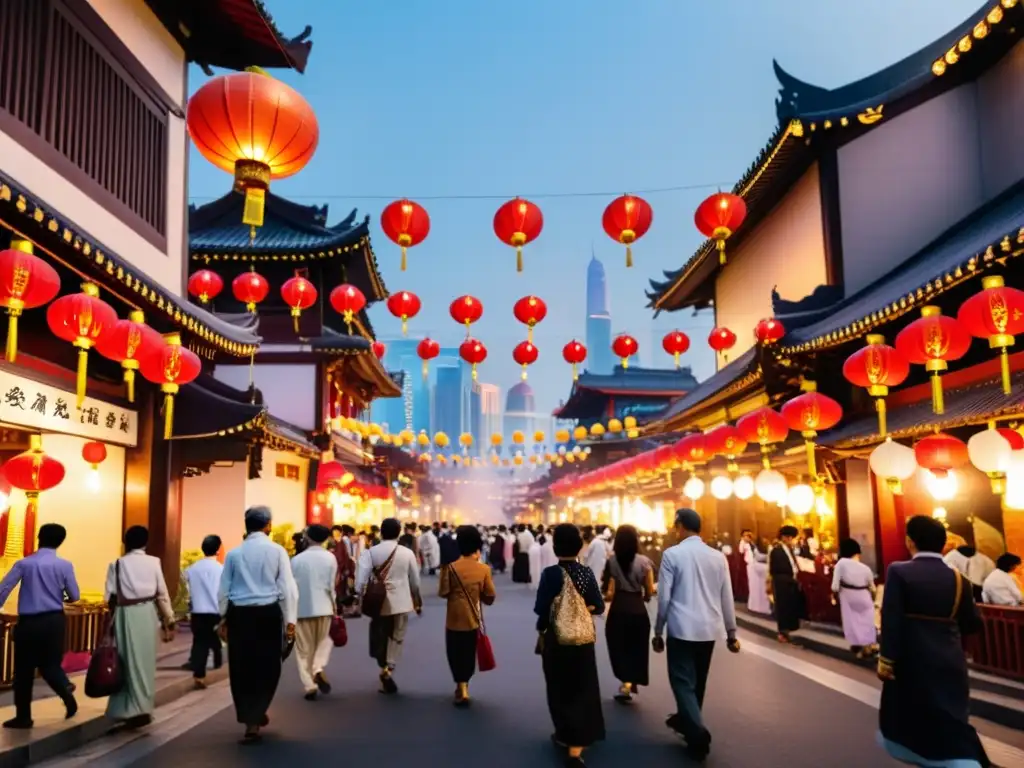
(442, 460)
(562, 436)
(633, 434)
(425, 458)
(614, 426)
(518, 437)
(571, 458)
(534, 459)
(538, 436)
(497, 439)
(376, 430)
(466, 440)
(407, 436)
(580, 433)
(494, 459)
(518, 460)
(597, 430)
(457, 460)
(423, 439)
(441, 440)
(629, 422)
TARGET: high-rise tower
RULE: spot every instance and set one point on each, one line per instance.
(599, 320)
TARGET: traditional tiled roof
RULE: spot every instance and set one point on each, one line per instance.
(737, 375)
(36, 221)
(810, 116)
(625, 382)
(210, 408)
(233, 34)
(280, 435)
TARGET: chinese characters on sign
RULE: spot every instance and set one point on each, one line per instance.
(26, 403)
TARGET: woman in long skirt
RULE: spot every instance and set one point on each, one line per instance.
(854, 583)
(138, 596)
(628, 627)
(570, 671)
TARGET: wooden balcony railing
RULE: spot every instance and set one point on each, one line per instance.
(999, 647)
(82, 632)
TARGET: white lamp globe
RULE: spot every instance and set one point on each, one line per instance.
(989, 451)
(1014, 498)
(941, 488)
(743, 487)
(800, 499)
(721, 487)
(894, 463)
(694, 488)
(770, 485)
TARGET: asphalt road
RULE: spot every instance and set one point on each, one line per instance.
(765, 707)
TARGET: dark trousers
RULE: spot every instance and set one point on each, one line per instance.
(38, 644)
(255, 642)
(460, 648)
(688, 665)
(204, 642)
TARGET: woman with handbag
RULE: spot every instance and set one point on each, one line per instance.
(139, 603)
(466, 584)
(567, 597)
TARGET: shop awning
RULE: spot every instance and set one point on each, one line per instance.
(209, 408)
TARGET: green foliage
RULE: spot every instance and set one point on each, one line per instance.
(181, 599)
(282, 534)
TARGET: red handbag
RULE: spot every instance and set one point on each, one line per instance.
(339, 632)
(485, 661)
(105, 676)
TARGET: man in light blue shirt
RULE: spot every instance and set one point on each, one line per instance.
(695, 600)
(203, 580)
(258, 599)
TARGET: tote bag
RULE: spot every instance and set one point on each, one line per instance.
(485, 660)
(105, 675)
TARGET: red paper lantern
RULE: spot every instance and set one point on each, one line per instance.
(205, 285)
(128, 342)
(1013, 437)
(525, 353)
(517, 223)
(81, 318)
(250, 288)
(691, 450)
(256, 127)
(32, 472)
(348, 301)
(406, 224)
(26, 282)
(721, 339)
(940, 453)
(675, 343)
(427, 350)
(718, 217)
(764, 427)
(996, 314)
(466, 310)
(170, 366)
(625, 346)
(94, 453)
(932, 341)
(529, 311)
(725, 440)
(626, 220)
(404, 305)
(877, 367)
(574, 353)
(473, 352)
(809, 414)
(299, 294)
(379, 349)
(768, 331)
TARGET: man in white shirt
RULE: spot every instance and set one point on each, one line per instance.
(203, 581)
(258, 599)
(397, 567)
(695, 601)
(972, 564)
(598, 552)
(1000, 587)
(316, 572)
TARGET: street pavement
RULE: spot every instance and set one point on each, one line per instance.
(766, 706)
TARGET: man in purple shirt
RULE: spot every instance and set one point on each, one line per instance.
(46, 582)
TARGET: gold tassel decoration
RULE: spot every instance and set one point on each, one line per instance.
(82, 375)
(31, 507)
(519, 258)
(129, 380)
(426, 370)
(812, 464)
(880, 407)
(404, 257)
(575, 373)
(169, 410)
(1004, 367)
(629, 257)
(12, 334)
(938, 404)
(721, 251)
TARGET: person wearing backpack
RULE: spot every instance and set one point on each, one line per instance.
(388, 577)
(567, 598)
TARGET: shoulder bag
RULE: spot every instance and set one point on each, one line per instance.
(376, 593)
(484, 651)
(105, 676)
(570, 619)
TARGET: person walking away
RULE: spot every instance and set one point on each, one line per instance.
(396, 567)
(598, 553)
(1000, 587)
(346, 573)
(755, 560)
(408, 539)
(521, 557)
(467, 585)
(567, 598)
(449, 549)
(497, 551)
(137, 593)
(783, 584)
(430, 550)
(316, 573)
(47, 582)
(695, 603)
(535, 556)
(973, 565)
(259, 601)
(203, 581)
(854, 585)
(628, 627)
(926, 607)
(510, 545)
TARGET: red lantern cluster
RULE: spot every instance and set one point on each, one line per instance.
(721, 339)
(574, 353)
(406, 224)
(764, 426)
(473, 352)
(725, 440)
(877, 367)
(625, 346)
(404, 305)
(127, 343)
(26, 282)
(299, 294)
(81, 319)
(768, 331)
(719, 217)
(517, 223)
(525, 354)
(675, 343)
(466, 310)
(33, 472)
(171, 365)
(941, 453)
(250, 288)
(529, 311)
(205, 285)
(997, 315)
(809, 414)
(932, 341)
(626, 220)
(348, 301)
(427, 350)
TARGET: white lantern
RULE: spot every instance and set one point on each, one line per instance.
(770, 485)
(942, 488)
(894, 463)
(743, 487)
(721, 487)
(990, 452)
(800, 499)
(1014, 498)
(694, 488)
(939, 513)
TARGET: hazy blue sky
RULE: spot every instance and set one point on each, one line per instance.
(450, 98)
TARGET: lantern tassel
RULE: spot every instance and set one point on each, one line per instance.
(405, 258)
(575, 373)
(629, 257)
(12, 334)
(474, 371)
(1004, 365)
(625, 363)
(129, 382)
(519, 258)
(938, 405)
(82, 376)
(529, 333)
(812, 464)
(405, 325)
(524, 372)
(721, 251)
(426, 371)
(29, 544)
(676, 356)
(880, 407)
(168, 416)
(295, 321)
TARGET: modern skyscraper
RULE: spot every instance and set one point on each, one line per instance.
(412, 410)
(489, 415)
(599, 320)
(448, 405)
(520, 407)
